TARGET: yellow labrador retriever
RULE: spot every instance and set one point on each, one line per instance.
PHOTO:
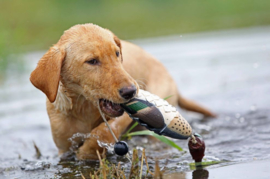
(90, 67)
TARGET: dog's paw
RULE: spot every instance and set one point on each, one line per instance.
(88, 151)
(86, 155)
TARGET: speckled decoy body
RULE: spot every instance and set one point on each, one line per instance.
(157, 115)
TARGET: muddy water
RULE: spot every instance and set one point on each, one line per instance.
(226, 71)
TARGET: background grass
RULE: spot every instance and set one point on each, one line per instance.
(27, 25)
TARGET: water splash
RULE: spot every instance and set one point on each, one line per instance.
(40, 165)
(108, 146)
(79, 138)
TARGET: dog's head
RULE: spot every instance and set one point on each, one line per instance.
(88, 61)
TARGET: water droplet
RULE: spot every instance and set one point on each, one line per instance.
(237, 115)
(227, 118)
(253, 108)
(241, 120)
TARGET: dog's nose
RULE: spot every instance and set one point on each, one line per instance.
(128, 92)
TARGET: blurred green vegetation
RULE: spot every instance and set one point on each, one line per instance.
(27, 25)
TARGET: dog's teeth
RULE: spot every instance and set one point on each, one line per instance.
(110, 108)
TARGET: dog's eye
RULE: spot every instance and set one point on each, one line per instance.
(93, 62)
(117, 54)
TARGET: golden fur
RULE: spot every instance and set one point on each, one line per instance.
(73, 87)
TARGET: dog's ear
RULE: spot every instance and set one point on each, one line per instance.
(46, 76)
(118, 43)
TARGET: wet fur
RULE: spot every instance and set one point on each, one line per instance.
(74, 87)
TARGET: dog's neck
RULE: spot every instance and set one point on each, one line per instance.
(73, 104)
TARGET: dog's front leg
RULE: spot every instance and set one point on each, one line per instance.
(90, 146)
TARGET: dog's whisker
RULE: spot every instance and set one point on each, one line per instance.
(78, 98)
(141, 84)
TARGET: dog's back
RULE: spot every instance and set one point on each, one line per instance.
(152, 76)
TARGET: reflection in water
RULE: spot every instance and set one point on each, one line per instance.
(200, 173)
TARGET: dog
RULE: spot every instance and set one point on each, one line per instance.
(90, 68)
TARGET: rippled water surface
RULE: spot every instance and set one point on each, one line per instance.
(229, 72)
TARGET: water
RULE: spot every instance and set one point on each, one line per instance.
(228, 71)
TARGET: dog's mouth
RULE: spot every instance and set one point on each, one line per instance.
(111, 109)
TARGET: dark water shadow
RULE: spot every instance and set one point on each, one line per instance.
(200, 173)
